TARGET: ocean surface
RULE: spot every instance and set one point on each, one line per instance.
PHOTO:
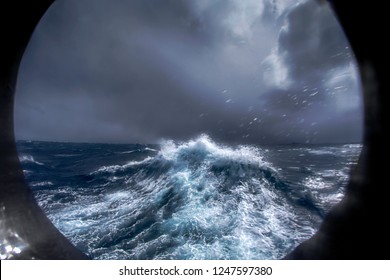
(192, 200)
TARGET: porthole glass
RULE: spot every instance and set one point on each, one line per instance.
(208, 129)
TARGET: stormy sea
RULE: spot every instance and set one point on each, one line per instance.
(186, 200)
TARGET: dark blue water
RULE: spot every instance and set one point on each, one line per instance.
(193, 200)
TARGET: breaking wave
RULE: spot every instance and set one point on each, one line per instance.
(186, 200)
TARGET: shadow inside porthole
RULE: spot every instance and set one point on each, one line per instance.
(188, 130)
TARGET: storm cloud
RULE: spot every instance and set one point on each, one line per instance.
(139, 71)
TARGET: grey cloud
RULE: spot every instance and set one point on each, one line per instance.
(313, 77)
(138, 71)
(312, 41)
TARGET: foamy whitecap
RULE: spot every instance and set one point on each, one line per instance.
(115, 168)
(29, 158)
(192, 200)
(189, 200)
(203, 145)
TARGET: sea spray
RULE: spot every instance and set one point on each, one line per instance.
(186, 200)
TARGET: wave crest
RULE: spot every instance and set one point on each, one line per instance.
(200, 200)
(29, 158)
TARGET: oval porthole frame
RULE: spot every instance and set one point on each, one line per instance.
(347, 232)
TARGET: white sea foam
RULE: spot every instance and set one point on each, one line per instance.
(192, 200)
(42, 184)
(321, 152)
(203, 145)
(130, 152)
(115, 168)
(29, 158)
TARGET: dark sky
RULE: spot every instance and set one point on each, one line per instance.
(241, 71)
